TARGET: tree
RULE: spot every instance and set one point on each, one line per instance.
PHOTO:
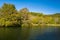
(36, 14)
(8, 9)
(24, 15)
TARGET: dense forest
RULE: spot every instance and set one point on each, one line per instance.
(11, 17)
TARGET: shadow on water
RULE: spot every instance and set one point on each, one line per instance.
(30, 33)
(25, 33)
(14, 33)
(9, 33)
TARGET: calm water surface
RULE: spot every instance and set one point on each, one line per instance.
(30, 33)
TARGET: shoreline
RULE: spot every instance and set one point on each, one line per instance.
(46, 24)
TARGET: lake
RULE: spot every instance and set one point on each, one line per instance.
(30, 33)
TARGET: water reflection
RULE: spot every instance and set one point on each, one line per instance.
(30, 33)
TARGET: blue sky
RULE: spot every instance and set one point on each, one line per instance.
(44, 6)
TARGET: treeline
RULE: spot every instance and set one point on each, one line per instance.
(10, 17)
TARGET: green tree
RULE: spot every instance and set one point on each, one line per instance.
(8, 9)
